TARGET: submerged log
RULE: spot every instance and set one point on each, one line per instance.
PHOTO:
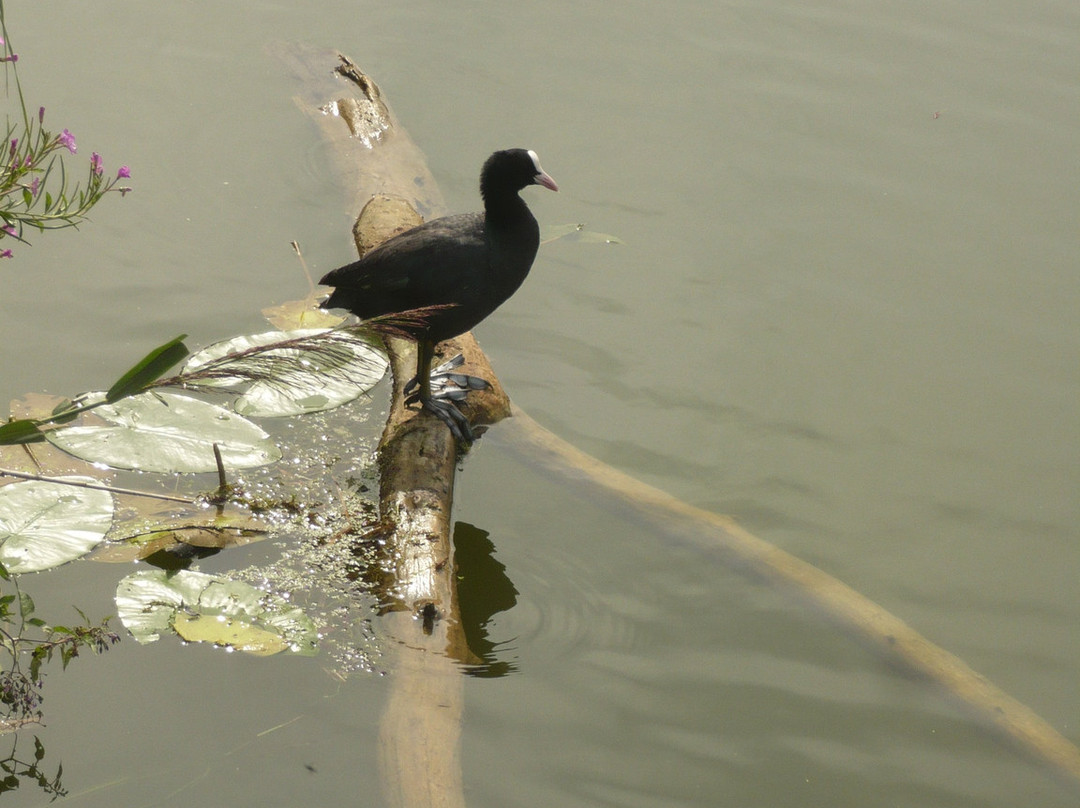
(420, 732)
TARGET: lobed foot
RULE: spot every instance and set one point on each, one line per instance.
(450, 415)
(446, 388)
(447, 384)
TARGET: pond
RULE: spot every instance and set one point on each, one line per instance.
(843, 312)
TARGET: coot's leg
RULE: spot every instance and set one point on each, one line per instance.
(439, 402)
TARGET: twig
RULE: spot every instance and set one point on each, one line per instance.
(97, 486)
(223, 483)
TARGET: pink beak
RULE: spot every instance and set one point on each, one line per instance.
(543, 178)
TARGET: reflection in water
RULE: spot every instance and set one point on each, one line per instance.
(483, 590)
(19, 771)
(28, 643)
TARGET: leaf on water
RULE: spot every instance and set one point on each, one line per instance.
(25, 412)
(576, 232)
(230, 632)
(148, 369)
(301, 314)
(167, 433)
(320, 373)
(22, 431)
(44, 525)
(144, 537)
(210, 608)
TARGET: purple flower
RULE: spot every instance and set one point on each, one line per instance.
(41, 115)
(5, 254)
(9, 229)
(124, 173)
(14, 57)
(14, 144)
(96, 163)
(67, 140)
(35, 185)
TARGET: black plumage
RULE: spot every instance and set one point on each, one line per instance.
(467, 265)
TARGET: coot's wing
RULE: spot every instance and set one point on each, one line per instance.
(436, 263)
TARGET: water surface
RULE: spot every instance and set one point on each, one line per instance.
(844, 312)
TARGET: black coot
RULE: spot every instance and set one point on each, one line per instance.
(468, 264)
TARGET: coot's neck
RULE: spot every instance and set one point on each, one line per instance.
(504, 209)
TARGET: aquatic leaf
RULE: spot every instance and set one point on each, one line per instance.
(230, 632)
(576, 232)
(43, 525)
(304, 313)
(319, 374)
(21, 431)
(206, 530)
(165, 432)
(210, 608)
(148, 369)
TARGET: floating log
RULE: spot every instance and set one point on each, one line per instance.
(421, 727)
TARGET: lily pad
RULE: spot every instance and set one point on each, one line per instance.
(302, 314)
(165, 432)
(209, 608)
(239, 634)
(298, 380)
(44, 525)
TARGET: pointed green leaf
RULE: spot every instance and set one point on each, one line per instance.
(26, 604)
(22, 431)
(149, 369)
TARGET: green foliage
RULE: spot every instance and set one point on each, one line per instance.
(23, 634)
(21, 431)
(148, 370)
(16, 771)
(36, 190)
(167, 433)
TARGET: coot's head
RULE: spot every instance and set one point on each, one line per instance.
(511, 170)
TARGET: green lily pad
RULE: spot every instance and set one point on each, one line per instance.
(298, 380)
(165, 432)
(209, 608)
(44, 525)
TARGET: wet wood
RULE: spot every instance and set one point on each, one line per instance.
(389, 183)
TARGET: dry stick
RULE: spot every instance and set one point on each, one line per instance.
(736, 547)
(97, 486)
(223, 483)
